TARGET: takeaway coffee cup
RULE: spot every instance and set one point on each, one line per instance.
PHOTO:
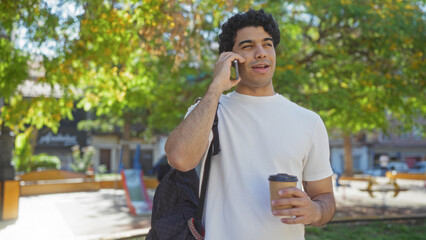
(277, 182)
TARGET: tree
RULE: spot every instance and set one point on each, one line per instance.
(359, 64)
(134, 61)
(126, 56)
(18, 113)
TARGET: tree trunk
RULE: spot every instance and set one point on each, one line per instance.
(348, 166)
(33, 143)
(7, 172)
(34, 136)
(126, 139)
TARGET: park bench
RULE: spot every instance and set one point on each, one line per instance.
(346, 179)
(393, 176)
(392, 185)
(60, 181)
(56, 181)
(382, 188)
(411, 176)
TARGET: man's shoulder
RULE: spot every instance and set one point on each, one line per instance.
(299, 110)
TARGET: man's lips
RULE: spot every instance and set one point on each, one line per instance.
(260, 67)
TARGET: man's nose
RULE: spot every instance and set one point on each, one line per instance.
(260, 53)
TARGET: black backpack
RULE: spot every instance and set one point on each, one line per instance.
(177, 211)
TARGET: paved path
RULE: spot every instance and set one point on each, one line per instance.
(82, 215)
(104, 215)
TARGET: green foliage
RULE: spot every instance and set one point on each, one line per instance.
(359, 64)
(37, 111)
(23, 152)
(44, 161)
(42, 27)
(13, 69)
(98, 125)
(24, 161)
(82, 160)
(133, 58)
(43, 33)
(102, 169)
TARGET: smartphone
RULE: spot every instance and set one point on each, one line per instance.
(234, 70)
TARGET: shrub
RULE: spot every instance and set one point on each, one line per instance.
(45, 161)
(81, 162)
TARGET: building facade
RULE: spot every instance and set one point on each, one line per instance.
(408, 148)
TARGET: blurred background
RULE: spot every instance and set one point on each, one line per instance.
(92, 87)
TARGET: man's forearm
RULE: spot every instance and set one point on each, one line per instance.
(326, 206)
(189, 140)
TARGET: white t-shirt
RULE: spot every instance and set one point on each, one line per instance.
(260, 136)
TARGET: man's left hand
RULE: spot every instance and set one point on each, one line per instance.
(304, 210)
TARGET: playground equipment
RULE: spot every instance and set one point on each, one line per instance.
(137, 198)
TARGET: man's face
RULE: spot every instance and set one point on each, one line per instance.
(257, 48)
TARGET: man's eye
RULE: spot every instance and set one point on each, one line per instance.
(246, 46)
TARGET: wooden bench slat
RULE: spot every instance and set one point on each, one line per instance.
(51, 174)
(410, 176)
(60, 181)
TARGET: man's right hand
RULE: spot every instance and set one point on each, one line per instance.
(188, 142)
(222, 72)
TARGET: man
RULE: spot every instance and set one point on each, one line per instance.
(261, 133)
(384, 161)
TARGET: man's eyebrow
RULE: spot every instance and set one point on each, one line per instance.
(250, 41)
(268, 39)
(245, 41)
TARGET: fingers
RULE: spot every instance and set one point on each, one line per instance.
(288, 212)
(294, 220)
(222, 71)
(229, 57)
(224, 63)
(297, 215)
(292, 216)
(289, 201)
(301, 210)
(293, 191)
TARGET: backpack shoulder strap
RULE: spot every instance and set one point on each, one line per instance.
(213, 150)
(216, 142)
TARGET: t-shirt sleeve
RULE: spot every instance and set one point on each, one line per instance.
(317, 165)
(190, 109)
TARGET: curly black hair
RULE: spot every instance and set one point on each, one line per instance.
(247, 19)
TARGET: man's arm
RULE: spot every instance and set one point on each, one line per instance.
(321, 193)
(189, 140)
(315, 206)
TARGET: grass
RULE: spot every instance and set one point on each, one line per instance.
(369, 231)
(382, 230)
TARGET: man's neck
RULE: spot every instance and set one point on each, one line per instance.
(255, 91)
